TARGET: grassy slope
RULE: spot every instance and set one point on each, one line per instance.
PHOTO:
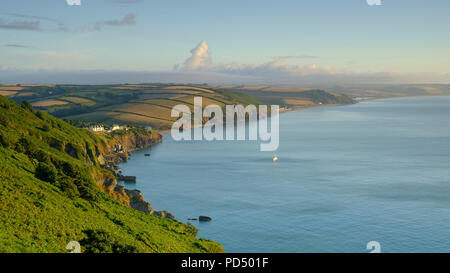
(39, 216)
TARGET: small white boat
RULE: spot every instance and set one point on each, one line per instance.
(275, 158)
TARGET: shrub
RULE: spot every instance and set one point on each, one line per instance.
(40, 115)
(87, 190)
(5, 121)
(78, 177)
(46, 127)
(67, 185)
(46, 172)
(99, 241)
(25, 104)
(5, 140)
(42, 156)
(57, 144)
(70, 170)
(26, 146)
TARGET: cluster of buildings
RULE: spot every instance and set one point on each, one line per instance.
(101, 128)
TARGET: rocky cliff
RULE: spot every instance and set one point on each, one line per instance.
(135, 141)
(118, 151)
(130, 198)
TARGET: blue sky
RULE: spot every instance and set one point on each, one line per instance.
(288, 39)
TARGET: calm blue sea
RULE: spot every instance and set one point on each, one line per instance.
(346, 175)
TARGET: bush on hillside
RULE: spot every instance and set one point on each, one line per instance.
(67, 185)
(25, 104)
(26, 146)
(46, 172)
(100, 241)
(5, 140)
(42, 156)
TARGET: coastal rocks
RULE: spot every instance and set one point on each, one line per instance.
(201, 219)
(130, 198)
(163, 213)
(127, 178)
(204, 218)
(109, 157)
(101, 160)
(133, 142)
(137, 202)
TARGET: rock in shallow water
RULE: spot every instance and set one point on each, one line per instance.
(204, 218)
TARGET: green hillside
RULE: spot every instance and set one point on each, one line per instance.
(49, 195)
(295, 98)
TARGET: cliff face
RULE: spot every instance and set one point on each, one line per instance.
(130, 198)
(133, 142)
(116, 152)
(119, 150)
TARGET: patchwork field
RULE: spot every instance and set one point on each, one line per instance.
(137, 104)
(188, 88)
(7, 93)
(10, 88)
(298, 102)
(151, 104)
(78, 100)
(49, 103)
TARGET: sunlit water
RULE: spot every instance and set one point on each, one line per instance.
(346, 175)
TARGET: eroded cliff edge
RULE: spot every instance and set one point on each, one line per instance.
(117, 151)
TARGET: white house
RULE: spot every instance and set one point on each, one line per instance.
(118, 127)
(97, 128)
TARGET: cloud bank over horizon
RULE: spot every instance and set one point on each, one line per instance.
(277, 71)
(200, 68)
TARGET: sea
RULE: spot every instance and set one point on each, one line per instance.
(347, 175)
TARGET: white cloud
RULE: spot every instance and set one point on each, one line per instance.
(199, 60)
(278, 71)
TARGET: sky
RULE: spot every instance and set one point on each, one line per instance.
(245, 42)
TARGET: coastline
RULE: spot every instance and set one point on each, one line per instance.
(165, 132)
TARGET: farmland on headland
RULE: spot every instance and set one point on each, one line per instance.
(151, 104)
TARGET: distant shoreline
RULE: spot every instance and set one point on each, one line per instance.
(167, 131)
